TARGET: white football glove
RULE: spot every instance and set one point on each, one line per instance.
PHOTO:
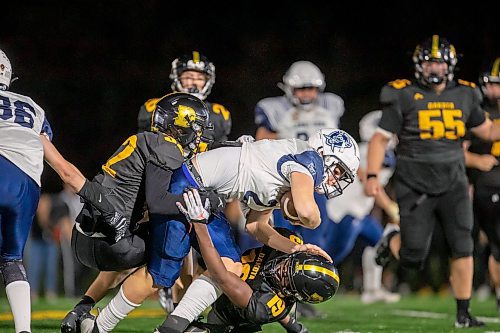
(195, 211)
(245, 138)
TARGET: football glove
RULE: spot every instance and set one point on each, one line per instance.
(118, 222)
(195, 211)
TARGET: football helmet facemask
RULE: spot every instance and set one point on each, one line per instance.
(5, 71)
(302, 74)
(338, 150)
(491, 76)
(182, 116)
(436, 49)
(303, 276)
(193, 62)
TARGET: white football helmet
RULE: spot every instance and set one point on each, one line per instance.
(302, 74)
(5, 71)
(339, 150)
(368, 125)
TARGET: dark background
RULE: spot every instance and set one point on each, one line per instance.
(91, 65)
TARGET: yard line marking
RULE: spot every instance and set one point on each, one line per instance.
(437, 315)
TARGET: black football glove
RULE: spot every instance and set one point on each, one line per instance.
(118, 222)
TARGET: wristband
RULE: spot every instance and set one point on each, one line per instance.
(371, 175)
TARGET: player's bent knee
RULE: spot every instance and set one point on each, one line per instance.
(412, 259)
(13, 271)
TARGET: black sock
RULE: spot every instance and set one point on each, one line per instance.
(174, 324)
(85, 305)
(463, 305)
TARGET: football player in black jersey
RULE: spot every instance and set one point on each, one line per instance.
(138, 173)
(271, 283)
(430, 116)
(483, 159)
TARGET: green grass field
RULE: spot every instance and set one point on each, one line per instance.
(344, 313)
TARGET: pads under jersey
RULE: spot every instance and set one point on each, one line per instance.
(219, 116)
(258, 173)
(265, 306)
(21, 122)
(479, 146)
(279, 115)
(123, 173)
(430, 129)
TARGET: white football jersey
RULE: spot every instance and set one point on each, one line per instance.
(353, 201)
(21, 122)
(289, 122)
(258, 173)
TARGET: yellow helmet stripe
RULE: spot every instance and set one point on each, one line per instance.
(496, 67)
(196, 57)
(320, 269)
(435, 47)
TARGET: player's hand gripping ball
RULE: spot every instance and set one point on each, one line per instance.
(288, 208)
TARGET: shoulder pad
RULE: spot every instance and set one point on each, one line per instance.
(168, 138)
(466, 83)
(220, 109)
(400, 83)
(150, 104)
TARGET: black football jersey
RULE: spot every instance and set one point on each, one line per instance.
(265, 306)
(430, 129)
(479, 146)
(124, 171)
(219, 116)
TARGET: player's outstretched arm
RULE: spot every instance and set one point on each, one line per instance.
(235, 289)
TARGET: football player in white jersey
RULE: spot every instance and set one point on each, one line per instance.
(352, 216)
(304, 109)
(24, 143)
(256, 174)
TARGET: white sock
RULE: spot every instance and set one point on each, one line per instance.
(117, 309)
(202, 293)
(372, 273)
(18, 293)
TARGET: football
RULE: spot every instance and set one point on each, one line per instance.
(287, 207)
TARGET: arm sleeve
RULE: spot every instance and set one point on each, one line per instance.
(159, 200)
(261, 119)
(47, 130)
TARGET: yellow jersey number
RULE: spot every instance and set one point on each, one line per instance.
(277, 305)
(130, 144)
(441, 123)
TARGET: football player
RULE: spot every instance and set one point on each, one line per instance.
(299, 113)
(138, 172)
(25, 135)
(194, 74)
(430, 116)
(255, 174)
(483, 159)
(271, 283)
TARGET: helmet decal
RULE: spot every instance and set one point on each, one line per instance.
(337, 139)
(185, 116)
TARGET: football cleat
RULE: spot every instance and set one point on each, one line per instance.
(465, 320)
(379, 295)
(88, 323)
(166, 300)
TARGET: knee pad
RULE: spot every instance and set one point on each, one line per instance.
(13, 271)
(412, 259)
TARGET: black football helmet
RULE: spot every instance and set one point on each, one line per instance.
(193, 62)
(491, 76)
(183, 116)
(438, 49)
(302, 276)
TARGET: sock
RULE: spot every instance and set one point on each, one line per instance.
(117, 309)
(18, 293)
(463, 305)
(85, 305)
(202, 293)
(372, 273)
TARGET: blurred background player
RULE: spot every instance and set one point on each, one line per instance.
(430, 117)
(299, 113)
(194, 74)
(355, 215)
(482, 158)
